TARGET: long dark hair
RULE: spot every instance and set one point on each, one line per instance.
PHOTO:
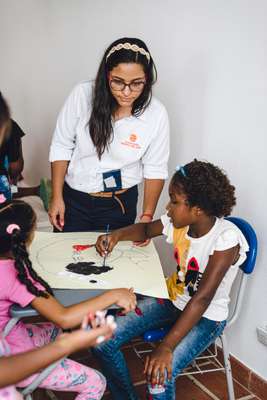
(20, 213)
(104, 104)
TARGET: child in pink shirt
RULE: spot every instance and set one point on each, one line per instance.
(20, 284)
(17, 367)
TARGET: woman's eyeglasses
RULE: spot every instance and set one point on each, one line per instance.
(118, 85)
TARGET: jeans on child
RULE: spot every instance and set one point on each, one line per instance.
(155, 314)
(5, 187)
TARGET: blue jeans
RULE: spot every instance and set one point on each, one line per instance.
(5, 187)
(155, 315)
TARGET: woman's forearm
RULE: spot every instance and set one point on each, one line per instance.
(152, 191)
(58, 170)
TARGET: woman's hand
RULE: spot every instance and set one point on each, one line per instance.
(157, 364)
(144, 219)
(106, 243)
(126, 299)
(56, 213)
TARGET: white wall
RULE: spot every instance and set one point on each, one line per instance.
(212, 62)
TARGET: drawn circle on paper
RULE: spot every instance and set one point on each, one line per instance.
(133, 266)
(63, 258)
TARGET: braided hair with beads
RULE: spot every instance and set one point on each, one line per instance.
(17, 224)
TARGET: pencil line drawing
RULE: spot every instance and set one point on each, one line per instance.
(129, 266)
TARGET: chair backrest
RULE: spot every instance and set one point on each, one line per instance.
(247, 267)
(250, 235)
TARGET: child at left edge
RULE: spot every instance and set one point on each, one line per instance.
(208, 250)
(11, 156)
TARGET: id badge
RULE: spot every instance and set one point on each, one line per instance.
(112, 180)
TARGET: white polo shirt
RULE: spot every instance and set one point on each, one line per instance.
(140, 146)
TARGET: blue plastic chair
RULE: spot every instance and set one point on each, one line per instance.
(245, 270)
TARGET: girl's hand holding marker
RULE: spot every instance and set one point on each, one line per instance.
(105, 243)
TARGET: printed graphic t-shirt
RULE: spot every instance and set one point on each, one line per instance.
(192, 256)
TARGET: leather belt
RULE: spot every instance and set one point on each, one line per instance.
(111, 195)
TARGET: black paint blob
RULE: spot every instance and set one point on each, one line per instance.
(87, 268)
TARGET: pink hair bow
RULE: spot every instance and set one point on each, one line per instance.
(11, 227)
(2, 198)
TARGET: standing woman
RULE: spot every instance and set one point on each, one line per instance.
(109, 137)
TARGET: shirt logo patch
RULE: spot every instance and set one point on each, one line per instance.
(133, 137)
(131, 142)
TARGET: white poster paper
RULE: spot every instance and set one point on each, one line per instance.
(133, 266)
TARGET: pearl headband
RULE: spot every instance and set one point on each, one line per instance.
(129, 46)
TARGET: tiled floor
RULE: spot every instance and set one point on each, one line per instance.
(210, 386)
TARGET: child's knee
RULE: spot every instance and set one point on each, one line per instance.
(105, 348)
(99, 384)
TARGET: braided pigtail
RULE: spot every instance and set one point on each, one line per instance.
(24, 267)
(17, 222)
